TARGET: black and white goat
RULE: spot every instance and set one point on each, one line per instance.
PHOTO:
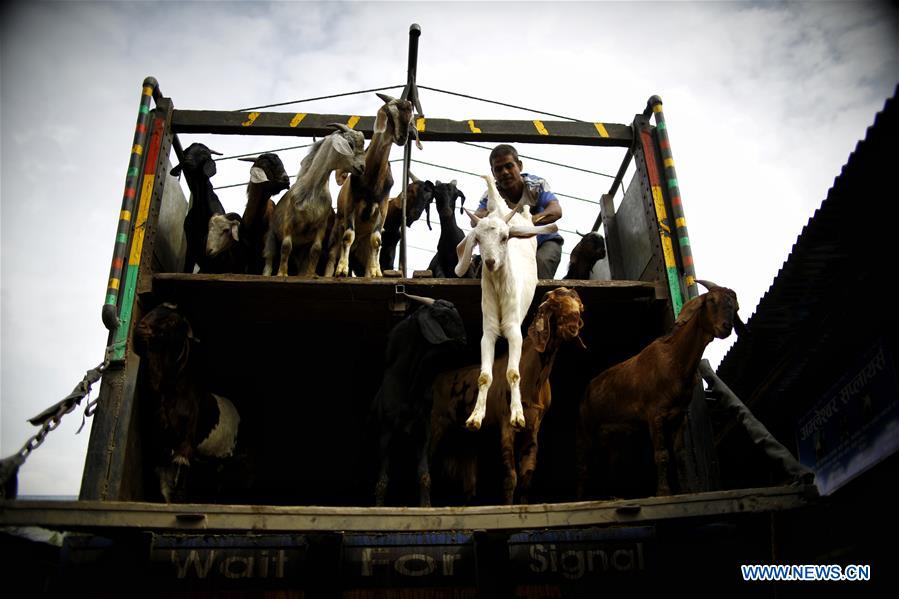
(190, 421)
(417, 349)
(198, 167)
(227, 250)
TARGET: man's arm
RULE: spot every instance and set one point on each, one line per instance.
(550, 214)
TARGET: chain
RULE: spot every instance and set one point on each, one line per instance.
(49, 420)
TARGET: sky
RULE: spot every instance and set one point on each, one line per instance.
(764, 102)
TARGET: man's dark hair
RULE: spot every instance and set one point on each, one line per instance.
(503, 150)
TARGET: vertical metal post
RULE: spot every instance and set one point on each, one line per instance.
(410, 92)
(132, 177)
(655, 104)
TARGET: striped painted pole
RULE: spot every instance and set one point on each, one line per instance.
(677, 207)
(132, 178)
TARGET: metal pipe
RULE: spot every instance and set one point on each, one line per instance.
(150, 89)
(654, 104)
(410, 92)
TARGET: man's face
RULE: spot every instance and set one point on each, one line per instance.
(507, 172)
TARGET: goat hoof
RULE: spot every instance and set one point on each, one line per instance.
(517, 422)
(473, 424)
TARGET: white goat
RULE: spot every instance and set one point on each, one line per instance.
(301, 217)
(508, 281)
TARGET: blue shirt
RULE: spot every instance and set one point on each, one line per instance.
(539, 197)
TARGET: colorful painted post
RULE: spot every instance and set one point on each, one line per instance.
(677, 207)
(132, 179)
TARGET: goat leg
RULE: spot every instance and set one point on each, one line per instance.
(286, 250)
(512, 332)
(424, 472)
(510, 481)
(660, 453)
(381, 486)
(315, 252)
(488, 343)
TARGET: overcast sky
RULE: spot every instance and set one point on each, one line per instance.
(764, 103)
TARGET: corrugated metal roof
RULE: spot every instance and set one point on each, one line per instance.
(831, 295)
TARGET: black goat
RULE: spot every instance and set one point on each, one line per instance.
(189, 420)
(417, 349)
(267, 177)
(198, 167)
(443, 264)
(418, 199)
(588, 251)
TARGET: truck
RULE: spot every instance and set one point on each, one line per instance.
(303, 524)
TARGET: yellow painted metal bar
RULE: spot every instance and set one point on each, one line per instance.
(137, 149)
(251, 119)
(600, 128)
(420, 124)
(540, 128)
(472, 127)
(352, 122)
(297, 119)
(662, 216)
(137, 244)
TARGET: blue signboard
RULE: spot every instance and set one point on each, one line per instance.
(855, 424)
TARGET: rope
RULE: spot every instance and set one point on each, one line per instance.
(456, 170)
(254, 154)
(574, 168)
(364, 91)
(443, 91)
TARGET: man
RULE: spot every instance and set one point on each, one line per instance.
(545, 208)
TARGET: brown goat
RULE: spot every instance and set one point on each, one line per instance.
(655, 387)
(362, 201)
(454, 393)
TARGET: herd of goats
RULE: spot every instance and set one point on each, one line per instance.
(417, 399)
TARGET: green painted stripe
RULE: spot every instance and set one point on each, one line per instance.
(121, 335)
(684, 242)
(144, 109)
(677, 301)
(661, 125)
(121, 238)
(132, 172)
(672, 183)
(111, 299)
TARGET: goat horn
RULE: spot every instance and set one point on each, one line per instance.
(707, 284)
(579, 233)
(385, 97)
(216, 153)
(340, 127)
(475, 219)
(249, 159)
(740, 326)
(413, 177)
(425, 300)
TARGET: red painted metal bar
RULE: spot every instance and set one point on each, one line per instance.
(132, 178)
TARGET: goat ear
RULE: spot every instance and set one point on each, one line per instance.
(257, 175)
(340, 176)
(235, 227)
(209, 168)
(689, 310)
(539, 331)
(381, 122)
(342, 146)
(431, 328)
(176, 171)
(463, 251)
(530, 230)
